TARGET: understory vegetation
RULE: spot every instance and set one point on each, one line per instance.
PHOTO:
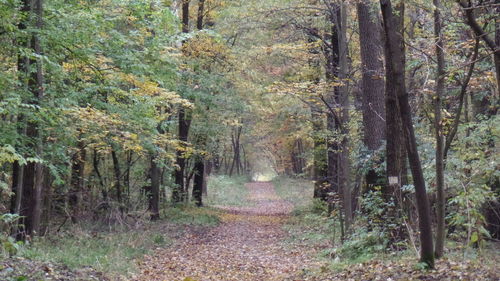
(312, 225)
(116, 250)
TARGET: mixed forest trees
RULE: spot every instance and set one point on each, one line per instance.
(113, 108)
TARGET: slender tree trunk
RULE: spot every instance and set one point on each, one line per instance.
(199, 165)
(17, 186)
(463, 102)
(95, 164)
(344, 178)
(396, 59)
(440, 84)
(333, 122)
(117, 172)
(320, 165)
(201, 14)
(178, 192)
(154, 197)
(77, 181)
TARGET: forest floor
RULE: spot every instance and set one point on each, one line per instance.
(247, 245)
(257, 231)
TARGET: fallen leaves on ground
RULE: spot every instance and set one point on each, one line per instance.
(405, 269)
(246, 246)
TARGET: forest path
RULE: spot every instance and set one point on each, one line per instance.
(247, 245)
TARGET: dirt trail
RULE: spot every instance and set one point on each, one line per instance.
(246, 246)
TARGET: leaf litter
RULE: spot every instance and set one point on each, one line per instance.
(247, 245)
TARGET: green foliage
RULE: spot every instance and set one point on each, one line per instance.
(473, 171)
(363, 245)
(8, 245)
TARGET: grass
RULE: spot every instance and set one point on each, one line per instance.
(189, 215)
(115, 251)
(110, 252)
(227, 191)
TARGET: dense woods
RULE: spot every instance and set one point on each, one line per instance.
(115, 111)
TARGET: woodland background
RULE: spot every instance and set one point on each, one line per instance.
(114, 113)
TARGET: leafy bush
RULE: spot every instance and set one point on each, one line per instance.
(362, 245)
(9, 246)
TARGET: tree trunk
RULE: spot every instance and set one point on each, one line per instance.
(198, 182)
(320, 165)
(344, 178)
(371, 48)
(178, 192)
(199, 165)
(154, 196)
(440, 84)
(395, 143)
(395, 58)
(201, 14)
(117, 172)
(77, 181)
(31, 199)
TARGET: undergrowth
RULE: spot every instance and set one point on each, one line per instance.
(115, 250)
(189, 215)
(111, 252)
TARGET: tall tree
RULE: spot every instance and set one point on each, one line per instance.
(371, 47)
(184, 120)
(440, 84)
(395, 59)
(199, 166)
(31, 70)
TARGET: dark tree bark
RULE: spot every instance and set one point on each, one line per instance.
(178, 192)
(235, 140)
(338, 113)
(199, 165)
(31, 192)
(395, 58)
(440, 84)
(371, 46)
(199, 168)
(333, 121)
(77, 181)
(201, 14)
(104, 190)
(17, 185)
(154, 196)
(394, 155)
(117, 174)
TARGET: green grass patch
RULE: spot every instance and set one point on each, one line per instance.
(115, 251)
(111, 252)
(227, 191)
(190, 215)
